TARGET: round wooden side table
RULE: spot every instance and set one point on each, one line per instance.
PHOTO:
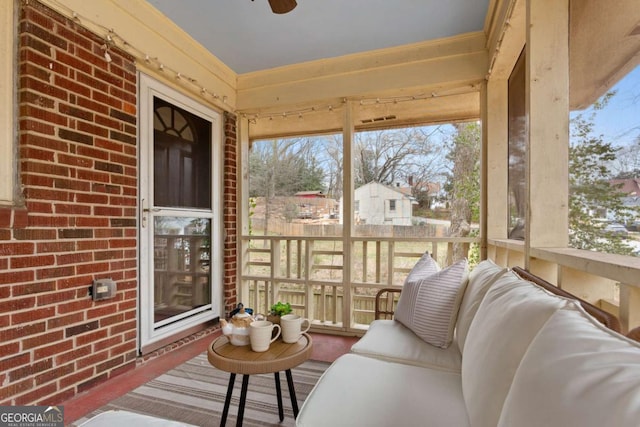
(242, 360)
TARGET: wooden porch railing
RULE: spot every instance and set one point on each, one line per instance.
(310, 273)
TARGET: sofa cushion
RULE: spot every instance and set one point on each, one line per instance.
(429, 306)
(425, 267)
(511, 314)
(391, 340)
(363, 391)
(576, 372)
(480, 280)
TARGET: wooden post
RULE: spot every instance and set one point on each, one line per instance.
(547, 105)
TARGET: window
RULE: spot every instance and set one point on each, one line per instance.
(392, 205)
(517, 150)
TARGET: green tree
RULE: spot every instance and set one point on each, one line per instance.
(591, 196)
(464, 180)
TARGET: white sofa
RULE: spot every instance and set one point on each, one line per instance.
(521, 357)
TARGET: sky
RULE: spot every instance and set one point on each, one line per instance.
(619, 122)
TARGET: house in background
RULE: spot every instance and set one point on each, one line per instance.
(380, 204)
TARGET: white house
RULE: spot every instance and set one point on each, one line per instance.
(376, 203)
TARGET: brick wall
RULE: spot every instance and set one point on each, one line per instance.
(77, 220)
(230, 213)
(78, 167)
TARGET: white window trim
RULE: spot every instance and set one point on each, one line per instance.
(7, 94)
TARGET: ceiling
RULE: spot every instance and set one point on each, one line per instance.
(316, 29)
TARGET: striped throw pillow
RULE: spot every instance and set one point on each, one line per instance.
(429, 306)
(425, 267)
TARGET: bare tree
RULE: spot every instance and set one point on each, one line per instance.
(389, 156)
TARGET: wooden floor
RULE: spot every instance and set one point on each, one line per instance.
(326, 348)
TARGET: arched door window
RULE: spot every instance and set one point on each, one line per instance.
(182, 158)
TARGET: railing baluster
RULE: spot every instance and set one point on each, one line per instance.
(365, 254)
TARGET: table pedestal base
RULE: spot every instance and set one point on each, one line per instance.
(243, 397)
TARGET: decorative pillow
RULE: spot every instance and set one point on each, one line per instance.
(429, 306)
(425, 267)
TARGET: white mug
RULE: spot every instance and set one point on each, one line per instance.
(292, 327)
(260, 335)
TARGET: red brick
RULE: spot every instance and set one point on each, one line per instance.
(46, 194)
(71, 209)
(33, 288)
(13, 249)
(76, 161)
(47, 247)
(73, 37)
(93, 105)
(107, 343)
(37, 393)
(90, 221)
(111, 320)
(55, 297)
(31, 261)
(49, 273)
(51, 350)
(74, 258)
(43, 114)
(77, 377)
(110, 364)
(35, 126)
(53, 374)
(93, 359)
(96, 267)
(17, 304)
(123, 327)
(43, 168)
(92, 244)
(21, 331)
(9, 363)
(127, 347)
(32, 315)
(30, 370)
(10, 348)
(73, 62)
(92, 338)
(43, 88)
(71, 184)
(16, 388)
(40, 340)
(61, 321)
(73, 306)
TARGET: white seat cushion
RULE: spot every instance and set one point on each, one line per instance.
(576, 372)
(391, 340)
(363, 391)
(126, 418)
(511, 314)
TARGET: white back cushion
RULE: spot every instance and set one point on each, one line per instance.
(480, 280)
(511, 314)
(429, 307)
(576, 373)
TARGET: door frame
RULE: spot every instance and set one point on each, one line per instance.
(147, 333)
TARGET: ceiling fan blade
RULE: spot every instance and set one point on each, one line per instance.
(282, 6)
